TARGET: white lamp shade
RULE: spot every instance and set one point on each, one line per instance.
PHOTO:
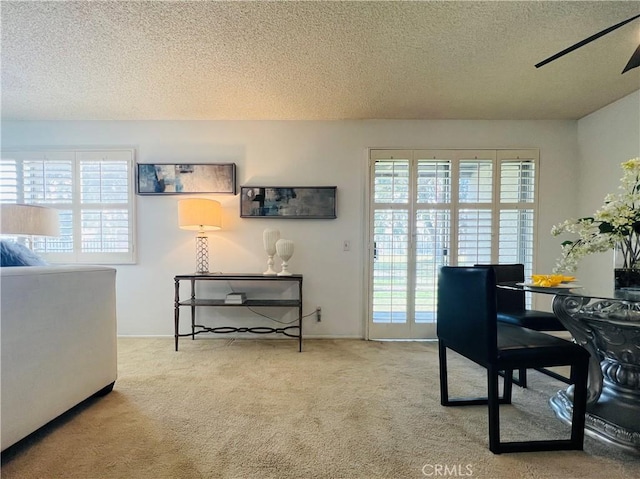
(199, 214)
(29, 220)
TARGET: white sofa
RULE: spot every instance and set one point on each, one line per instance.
(58, 335)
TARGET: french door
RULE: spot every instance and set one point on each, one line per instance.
(430, 208)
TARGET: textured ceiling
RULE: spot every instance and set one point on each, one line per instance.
(312, 60)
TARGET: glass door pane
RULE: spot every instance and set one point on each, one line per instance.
(476, 181)
(389, 290)
(391, 182)
(432, 248)
(390, 266)
(432, 236)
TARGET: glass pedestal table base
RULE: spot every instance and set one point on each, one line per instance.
(610, 330)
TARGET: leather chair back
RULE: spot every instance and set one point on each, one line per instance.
(467, 311)
(509, 301)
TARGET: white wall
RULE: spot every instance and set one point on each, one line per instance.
(606, 138)
(292, 153)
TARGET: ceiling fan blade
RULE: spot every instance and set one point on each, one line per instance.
(634, 61)
(585, 41)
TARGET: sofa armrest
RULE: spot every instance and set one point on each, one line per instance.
(58, 346)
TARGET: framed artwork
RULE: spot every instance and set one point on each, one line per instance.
(299, 202)
(174, 179)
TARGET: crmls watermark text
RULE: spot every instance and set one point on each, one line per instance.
(447, 470)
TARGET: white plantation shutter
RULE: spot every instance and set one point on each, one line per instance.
(48, 180)
(434, 181)
(517, 206)
(517, 181)
(474, 237)
(431, 208)
(8, 181)
(391, 176)
(104, 181)
(432, 238)
(475, 215)
(391, 181)
(104, 196)
(432, 226)
(516, 237)
(476, 181)
(391, 237)
(91, 189)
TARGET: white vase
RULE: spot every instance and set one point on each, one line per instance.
(269, 239)
(284, 247)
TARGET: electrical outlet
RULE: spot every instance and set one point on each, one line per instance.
(318, 313)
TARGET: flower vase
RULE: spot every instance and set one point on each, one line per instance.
(269, 239)
(284, 247)
(627, 278)
(626, 270)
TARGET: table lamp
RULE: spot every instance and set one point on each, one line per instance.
(29, 220)
(200, 215)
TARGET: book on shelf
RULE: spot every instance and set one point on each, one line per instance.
(235, 298)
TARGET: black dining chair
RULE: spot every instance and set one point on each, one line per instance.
(511, 308)
(467, 324)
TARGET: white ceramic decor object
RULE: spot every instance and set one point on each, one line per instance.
(284, 247)
(269, 239)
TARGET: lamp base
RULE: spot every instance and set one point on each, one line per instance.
(202, 254)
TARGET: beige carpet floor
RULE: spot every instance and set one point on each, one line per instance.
(223, 408)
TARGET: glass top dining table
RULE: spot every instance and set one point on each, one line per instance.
(606, 322)
(584, 289)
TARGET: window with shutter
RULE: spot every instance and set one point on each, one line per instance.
(93, 193)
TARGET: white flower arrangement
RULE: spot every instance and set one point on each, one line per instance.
(616, 224)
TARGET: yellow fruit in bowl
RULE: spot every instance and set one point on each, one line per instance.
(547, 280)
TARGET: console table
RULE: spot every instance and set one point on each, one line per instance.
(607, 324)
(293, 331)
